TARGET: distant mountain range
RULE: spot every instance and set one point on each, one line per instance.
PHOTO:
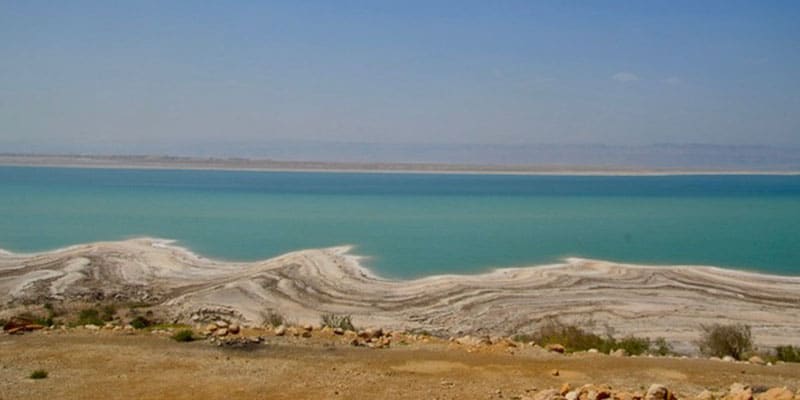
(548, 156)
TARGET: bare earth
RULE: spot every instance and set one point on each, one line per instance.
(118, 365)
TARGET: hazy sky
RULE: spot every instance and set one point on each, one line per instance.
(78, 73)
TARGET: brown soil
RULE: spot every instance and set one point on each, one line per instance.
(106, 365)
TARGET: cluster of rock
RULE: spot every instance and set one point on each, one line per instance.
(737, 391)
(221, 328)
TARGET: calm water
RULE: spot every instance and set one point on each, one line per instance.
(414, 224)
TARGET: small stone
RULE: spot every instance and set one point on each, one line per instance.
(221, 324)
(728, 359)
(756, 360)
(555, 372)
(657, 392)
(338, 331)
(280, 330)
(234, 328)
(619, 353)
(593, 351)
(211, 327)
(91, 327)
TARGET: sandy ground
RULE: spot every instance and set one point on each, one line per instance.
(106, 365)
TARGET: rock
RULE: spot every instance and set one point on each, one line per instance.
(306, 334)
(728, 359)
(221, 332)
(564, 389)
(556, 348)
(627, 396)
(549, 394)
(211, 327)
(619, 353)
(221, 324)
(370, 333)
(740, 391)
(705, 395)
(234, 329)
(338, 331)
(92, 327)
(756, 360)
(777, 393)
(658, 392)
(555, 373)
(593, 351)
(573, 395)
(280, 330)
(308, 328)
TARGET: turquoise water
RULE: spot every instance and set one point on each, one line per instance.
(414, 224)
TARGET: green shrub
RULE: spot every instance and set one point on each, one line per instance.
(631, 344)
(726, 340)
(183, 335)
(140, 322)
(575, 338)
(38, 374)
(338, 321)
(572, 337)
(788, 353)
(89, 316)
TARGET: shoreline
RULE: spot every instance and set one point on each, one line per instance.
(649, 301)
(347, 250)
(263, 165)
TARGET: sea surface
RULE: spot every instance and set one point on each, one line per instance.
(411, 225)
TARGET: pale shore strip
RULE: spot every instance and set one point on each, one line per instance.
(662, 301)
(241, 164)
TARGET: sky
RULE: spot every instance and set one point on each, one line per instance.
(197, 77)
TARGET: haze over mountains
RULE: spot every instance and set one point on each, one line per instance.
(658, 156)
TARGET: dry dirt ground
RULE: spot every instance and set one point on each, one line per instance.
(104, 365)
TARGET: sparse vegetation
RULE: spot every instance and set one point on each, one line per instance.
(788, 353)
(338, 321)
(108, 312)
(183, 335)
(89, 316)
(274, 318)
(726, 340)
(140, 322)
(661, 347)
(575, 338)
(38, 374)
